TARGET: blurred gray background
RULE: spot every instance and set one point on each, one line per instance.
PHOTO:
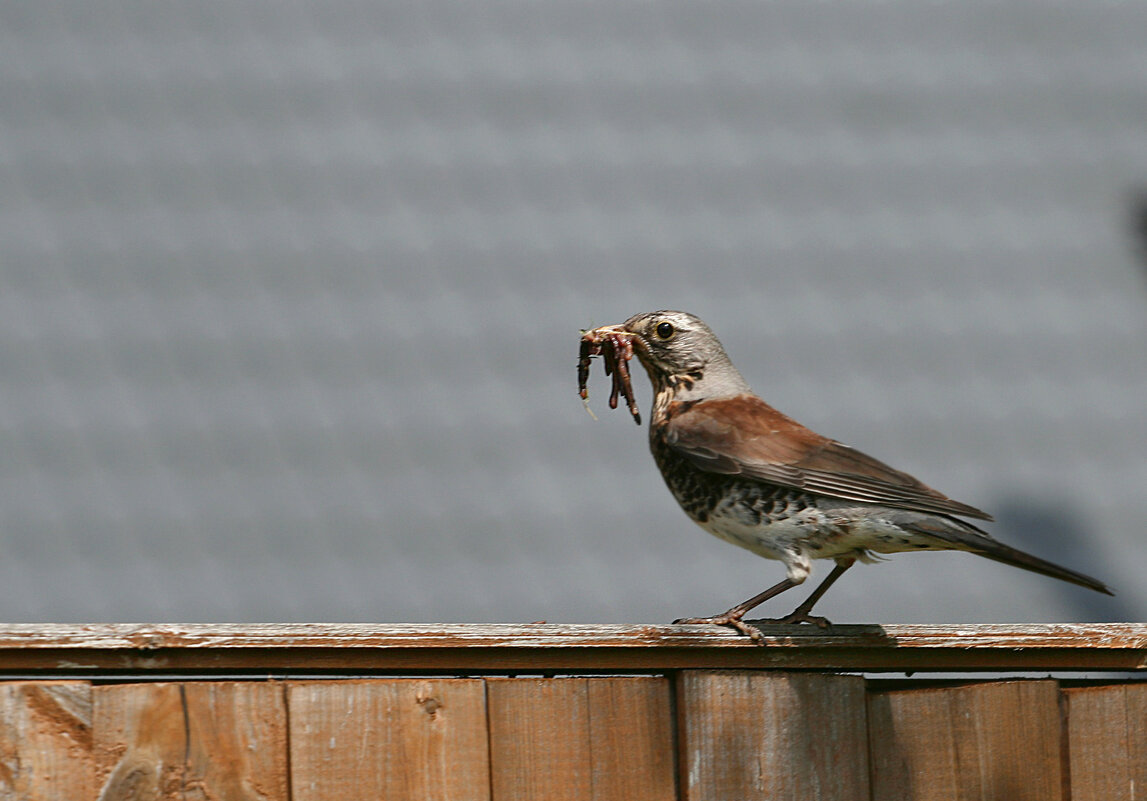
(290, 296)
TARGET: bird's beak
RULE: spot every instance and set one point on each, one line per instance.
(621, 330)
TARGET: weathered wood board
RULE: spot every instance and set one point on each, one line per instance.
(398, 739)
(580, 738)
(46, 741)
(190, 712)
(1107, 742)
(770, 736)
(992, 740)
(224, 740)
(105, 650)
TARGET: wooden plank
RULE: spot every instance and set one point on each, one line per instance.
(631, 732)
(572, 738)
(993, 740)
(79, 650)
(417, 739)
(539, 739)
(222, 740)
(757, 735)
(1107, 742)
(46, 741)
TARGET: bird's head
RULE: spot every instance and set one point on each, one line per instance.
(683, 355)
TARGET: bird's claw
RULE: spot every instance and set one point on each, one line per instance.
(752, 632)
(797, 617)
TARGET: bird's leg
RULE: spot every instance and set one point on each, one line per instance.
(732, 617)
(801, 613)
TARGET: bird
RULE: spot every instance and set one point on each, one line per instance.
(757, 478)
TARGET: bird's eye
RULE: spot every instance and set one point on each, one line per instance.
(665, 330)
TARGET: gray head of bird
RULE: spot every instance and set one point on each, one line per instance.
(683, 355)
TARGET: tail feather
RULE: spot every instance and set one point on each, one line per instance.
(961, 535)
(1017, 558)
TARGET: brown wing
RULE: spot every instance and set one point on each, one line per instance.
(743, 435)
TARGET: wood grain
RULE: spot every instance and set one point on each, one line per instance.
(631, 732)
(416, 739)
(573, 738)
(757, 735)
(539, 739)
(702, 735)
(224, 740)
(76, 651)
(46, 741)
(1107, 742)
(987, 741)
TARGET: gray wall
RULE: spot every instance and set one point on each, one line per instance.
(290, 296)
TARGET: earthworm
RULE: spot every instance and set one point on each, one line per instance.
(616, 349)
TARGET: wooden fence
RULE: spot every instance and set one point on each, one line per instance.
(270, 713)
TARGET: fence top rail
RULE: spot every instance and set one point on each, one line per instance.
(541, 647)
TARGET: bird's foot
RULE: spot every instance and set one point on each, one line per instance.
(797, 617)
(732, 621)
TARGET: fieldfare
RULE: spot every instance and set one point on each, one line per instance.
(758, 479)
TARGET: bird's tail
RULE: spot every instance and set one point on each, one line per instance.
(1017, 558)
(962, 535)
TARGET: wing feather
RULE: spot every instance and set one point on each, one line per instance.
(745, 436)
